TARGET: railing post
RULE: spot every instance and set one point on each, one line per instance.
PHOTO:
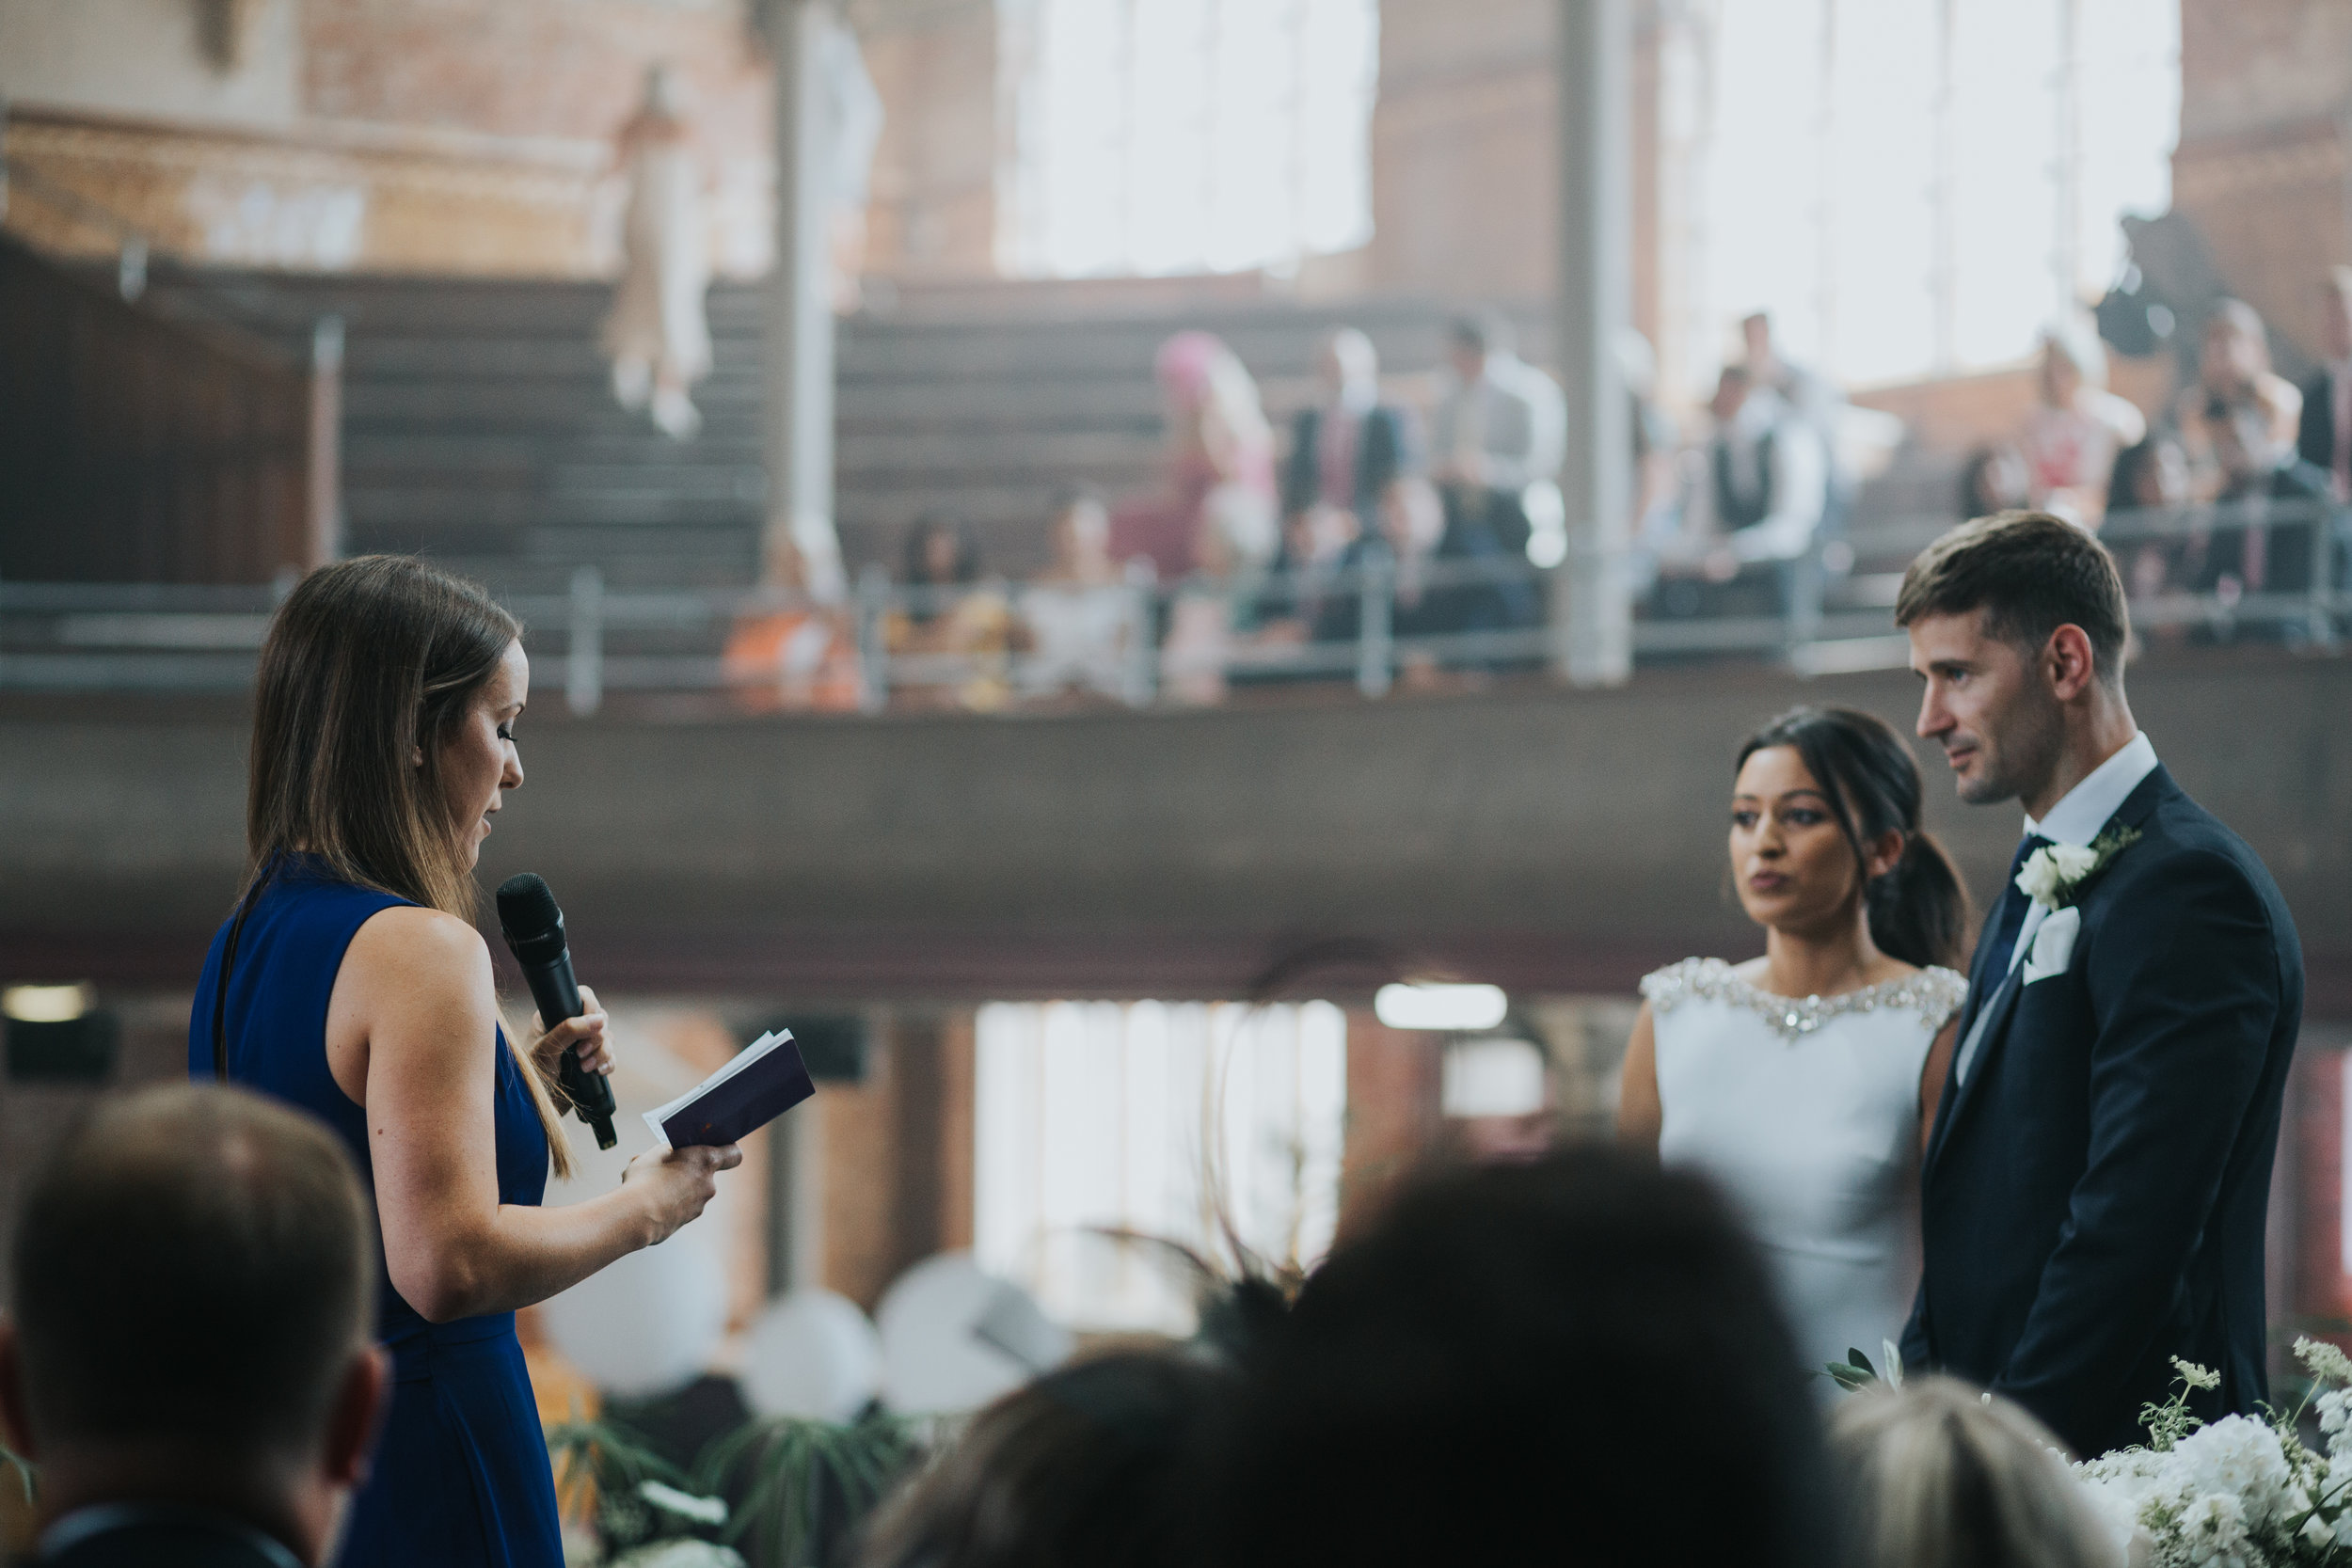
(584, 670)
(2325, 518)
(873, 654)
(324, 525)
(1142, 650)
(1375, 647)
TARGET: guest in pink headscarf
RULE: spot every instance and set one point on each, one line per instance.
(1218, 458)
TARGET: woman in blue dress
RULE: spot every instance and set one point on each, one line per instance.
(358, 988)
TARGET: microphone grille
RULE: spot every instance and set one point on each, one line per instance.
(525, 907)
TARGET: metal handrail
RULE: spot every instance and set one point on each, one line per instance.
(160, 637)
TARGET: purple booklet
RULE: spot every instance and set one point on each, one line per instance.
(764, 1080)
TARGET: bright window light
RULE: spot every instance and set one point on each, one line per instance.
(1158, 1119)
(1432, 1006)
(1493, 1077)
(1160, 136)
(45, 1003)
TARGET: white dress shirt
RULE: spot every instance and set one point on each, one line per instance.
(2084, 810)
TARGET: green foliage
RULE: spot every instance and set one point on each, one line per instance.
(619, 1462)
(785, 1470)
(2171, 1421)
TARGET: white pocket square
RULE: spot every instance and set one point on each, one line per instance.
(2054, 944)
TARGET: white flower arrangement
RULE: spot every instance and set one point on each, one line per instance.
(2242, 1492)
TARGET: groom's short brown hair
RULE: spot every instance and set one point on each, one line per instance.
(2030, 573)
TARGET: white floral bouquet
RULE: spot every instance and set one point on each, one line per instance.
(2242, 1492)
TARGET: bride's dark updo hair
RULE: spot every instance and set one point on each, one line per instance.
(1919, 912)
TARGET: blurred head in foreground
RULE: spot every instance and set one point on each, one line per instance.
(1577, 1358)
(1937, 1476)
(189, 1324)
(1096, 1465)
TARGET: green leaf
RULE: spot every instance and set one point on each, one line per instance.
(1852, 1379)
(1856, 1358)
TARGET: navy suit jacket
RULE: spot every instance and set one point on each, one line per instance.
(2094, 1197)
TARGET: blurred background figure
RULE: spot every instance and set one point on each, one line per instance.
(955, 633)
(1500, 427)
(1816, 400)
(188, 1348)
(800, 655)
(2238, 424)
(657, 335)
(1213, 608)
(1509, 1348)
(1937, 1475)
(1349, 450)
(2150, 477)
(1080, 616)
(1099, 1464)
(2323, 440)
(854, 115)
(1217, 453)
(2071, 437)
(1995, 478)
(1757, 507)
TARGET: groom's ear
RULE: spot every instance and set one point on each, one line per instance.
(2068, 663)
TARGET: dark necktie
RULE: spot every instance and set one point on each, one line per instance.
(2012, 917)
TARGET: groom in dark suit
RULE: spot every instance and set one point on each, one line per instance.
(2093, 1195)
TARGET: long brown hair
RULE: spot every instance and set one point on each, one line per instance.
(371, 662)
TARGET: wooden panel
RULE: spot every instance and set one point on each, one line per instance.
(142, 449)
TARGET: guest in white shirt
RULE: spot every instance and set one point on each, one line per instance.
(1080, 616)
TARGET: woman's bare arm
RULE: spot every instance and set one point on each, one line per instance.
(1932, 1078)
(413, 1023)
(1639, 1114)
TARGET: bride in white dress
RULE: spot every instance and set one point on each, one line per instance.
(1804, 1081)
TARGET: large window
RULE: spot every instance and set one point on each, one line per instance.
(1185, 135)
(1914, 187)
(1158, 1119)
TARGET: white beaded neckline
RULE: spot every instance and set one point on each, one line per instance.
(1934, 993)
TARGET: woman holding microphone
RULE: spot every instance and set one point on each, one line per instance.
(351, 981)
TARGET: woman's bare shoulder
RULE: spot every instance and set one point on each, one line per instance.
(409, 941)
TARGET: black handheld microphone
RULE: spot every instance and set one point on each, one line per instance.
(533, 928)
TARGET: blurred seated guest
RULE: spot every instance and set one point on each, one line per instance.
(188, 1349)
(1757, 510)
(2071, 437)
(1217, 448)
(1995, 478)
(1096, 1465)
(1500, 426)
(949, 638)
(1349, 449)
(2324, 438)
(1447, 578)
(1080, 615)
(2150, 480)
(1211, 613)
(801, 654)
(1937, 1475)
(1526, 1353)
(2238, 423)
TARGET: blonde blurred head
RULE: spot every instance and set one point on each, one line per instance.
(1939, 1476)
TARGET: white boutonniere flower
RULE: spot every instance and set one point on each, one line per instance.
(2055, 875)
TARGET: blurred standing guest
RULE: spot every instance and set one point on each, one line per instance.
(954, 631)
(655, 333)
(1080, 615)
(187, 1349)
(802, 654)
(1759, 500)
(2070, 438)
(1220, 450)
(1349, 450)
(2323, 440)
(1099, 1464)
(1806, 1080)
(1500, 426)
(1935, 1475)
(351, 982)
(1512, 1353)
(1814, 398)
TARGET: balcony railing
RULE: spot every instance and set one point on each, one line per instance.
(166, 639)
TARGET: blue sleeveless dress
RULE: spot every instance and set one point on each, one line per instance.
(461, 1476)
